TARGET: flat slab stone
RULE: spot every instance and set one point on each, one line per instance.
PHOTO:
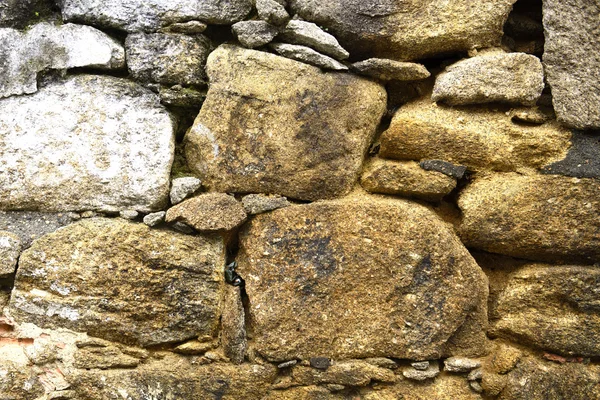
(389, 70)
(121, 281)
(87, 143)
(308, 34)
(308, 55)
(360, 277)
(410, 29)
(150, 15)
(47, 46)
(478, 137)
(273, 125)
(515, 78)
(209, 212)
(571, 61)
(252, 34)
(537, 217)
(551, 307)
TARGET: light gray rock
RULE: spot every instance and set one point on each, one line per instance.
(46, 46)
(154, 219)
(308, 55)
(129, 214)
(10, 249)
(309, 34)
(571, 60)
(461, 364)
(272, 12)
(189, 27)
(515, 78)
(252, 34)
(388, 70)
(183, 187)
(168, 58)
(87, 143)
(30, 225)
(420, 365)
(260, 203)
(432, 370)
(150, 15)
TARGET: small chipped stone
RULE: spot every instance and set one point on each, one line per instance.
(420, 365)
(431, 372)
(260, 203)
(475, 375)
(183, 228)
(181, 188)
(189, 27)
(529, 115)
(320, 362)
(194, 347)
(388, 70)
(129, 214)
(382, 362)
(252, 34)
(308, 55)
(272, 12)
(445, 167)
(309, 34)
(209, 212)
(476, 386)
(461, 364)
(154, 218)
(10, 249)
(287, 364)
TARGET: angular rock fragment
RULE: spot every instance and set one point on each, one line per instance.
(460, 364)
(347, 373)
(260, 203)
(272, 12)
(552, 307)
(308, 55)
(538, 217)
(390, 70)
(209, 212)
(86, 143)
(154, 219)
(310, 35)
(252, 34)
(432, 370)
(531, 115)
(46, 46)
(188, 28)
(168, 58)
(121, 281)
(515, 78)
(446, 168)
(10, 249)
(183, 187)
(178, 96)
(479, 137)
(150, 15)
(408, 30)
(405, 178)
(273, 125)
(233, 328)
(305, 266)
(571, 62)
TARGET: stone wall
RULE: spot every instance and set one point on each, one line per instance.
(301, 199)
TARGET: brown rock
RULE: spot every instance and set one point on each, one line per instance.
(388, 70)
(538, 217)
(209, 212)
(442, 388)
(554, 308)
(10, 249)
(260, 203)
(304, 393)
(121, 281)
(273, 125)
(233, 328)
(17, 381)
(480, 137)
(406, 178)
(408, 30)
(347, 373)
(305, 266)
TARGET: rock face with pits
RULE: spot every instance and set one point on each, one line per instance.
(318, 277)
(273, 125)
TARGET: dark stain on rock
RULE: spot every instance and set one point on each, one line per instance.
(582, 160)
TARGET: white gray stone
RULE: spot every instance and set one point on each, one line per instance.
(461, 364)
(154, 219)
(252, 34)
(129, 214)
(183, 187)
(515, 78)
(10, 248)
(309, 34)
(87, 143)
(272, 12)
(388, 70)
(47, 46)
(150, 15)
(308, 55)
(432, 370)
(571, 60)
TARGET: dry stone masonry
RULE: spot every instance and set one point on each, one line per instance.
(299, 200)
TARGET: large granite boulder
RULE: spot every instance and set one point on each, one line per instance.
(86, 143)
(408, 29)
(571, 60)
(121, 281)
(360, 277)
(537, 217)
(273, 125)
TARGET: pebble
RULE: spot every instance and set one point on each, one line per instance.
(154, 218)
(183, 187)
(461, 364)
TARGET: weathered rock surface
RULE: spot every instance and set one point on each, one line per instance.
(121, 281)
(175, 377)
(260, 203)
(233, 335)
(388, 70)
(252, 34)
(582, 160)
(86, 143)
(304, 393)
(272, 125)
(308, 55)
(441, 388)
(554, 308)
(150, 15)
(347, 373)
(571, 60)
(10, 249)
(478, 137)
(515, 78)
(29, 225)
(47, 46)
(406, 30)
(168, 58)
(537, 217)
(19, 382)
(460, 364)
(405, 178)
(432, 371)
(209, 212)
(272, 12)
(308, 34)
(446, 168)
(18, 13)
(188, 28)
(183, 187)
(305, 267)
